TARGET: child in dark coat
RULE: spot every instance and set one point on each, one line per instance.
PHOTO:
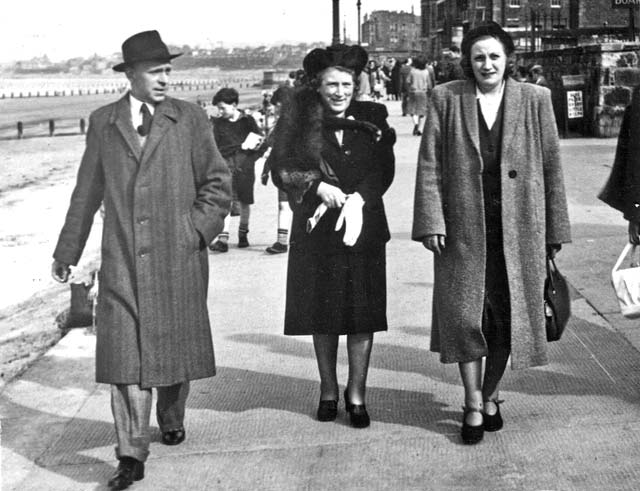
(240, 142)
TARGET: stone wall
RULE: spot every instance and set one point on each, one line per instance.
(610, 71)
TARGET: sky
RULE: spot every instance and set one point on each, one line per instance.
(68, 28)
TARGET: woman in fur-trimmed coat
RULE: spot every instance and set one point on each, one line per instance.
(334, 158)
(490, 202)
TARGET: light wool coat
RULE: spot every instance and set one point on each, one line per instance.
(162, 205)
(449, 201)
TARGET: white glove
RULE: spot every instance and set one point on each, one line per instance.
(351, 215)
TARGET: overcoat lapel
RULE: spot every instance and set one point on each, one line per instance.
(122, 118)
(164, 117)
(512, 107)
(470, 114)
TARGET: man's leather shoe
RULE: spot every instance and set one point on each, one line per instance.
(173, 437)
(129, 470)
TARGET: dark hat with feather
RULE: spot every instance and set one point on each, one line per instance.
(353, 58)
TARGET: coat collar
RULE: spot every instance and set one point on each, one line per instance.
(164, 116)
(511, 106)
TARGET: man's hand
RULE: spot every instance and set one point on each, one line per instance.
(435, 243)
(331, 196)
(60, 271)
(634, 232)
(351, 214)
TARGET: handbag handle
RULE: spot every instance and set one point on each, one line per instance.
(551, 262)
(629, 247)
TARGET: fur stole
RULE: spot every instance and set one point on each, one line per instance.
(296, 160)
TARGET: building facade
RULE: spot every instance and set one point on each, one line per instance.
(384, 30)
(534, 24)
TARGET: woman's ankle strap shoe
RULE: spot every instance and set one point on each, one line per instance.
(493, 422)
(471, 434)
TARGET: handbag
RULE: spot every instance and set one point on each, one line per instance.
(626, 284)
(557, 301)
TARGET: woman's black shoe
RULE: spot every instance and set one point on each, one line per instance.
(471, 434)
(327, 410)
(357, 413)
(493, 422)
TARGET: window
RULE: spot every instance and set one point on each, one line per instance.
(556, 4)
(514, 3)
(480, 4)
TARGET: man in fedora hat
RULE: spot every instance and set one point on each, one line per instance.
(153, 162)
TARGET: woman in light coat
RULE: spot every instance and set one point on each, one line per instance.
(489, 203)
(418, 84)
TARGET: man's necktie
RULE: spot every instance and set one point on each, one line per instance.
(143, 129)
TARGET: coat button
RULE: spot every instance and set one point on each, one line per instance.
(347, 152)
(512, 174)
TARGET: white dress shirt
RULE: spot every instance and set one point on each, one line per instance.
(136, 115)
(490, 104)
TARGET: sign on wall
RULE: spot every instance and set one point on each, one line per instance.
(624, 4)
(575, 108)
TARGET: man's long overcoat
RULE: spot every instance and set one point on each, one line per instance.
(449, 202)
(162, 204)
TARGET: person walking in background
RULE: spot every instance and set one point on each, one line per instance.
(387, 71)
(450, 69)
(334, 158)
(622, 189)
(396, 80)
(418, 85)
(279, 99)
(363, 87)
(153, 161)
(537, 76)
(490, 204)
(240, 142)
(376, 80)
(405, 70)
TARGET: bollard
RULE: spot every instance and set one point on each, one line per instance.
(20, 128)
(82, 126)
(52, 127)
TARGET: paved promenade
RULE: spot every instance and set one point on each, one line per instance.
(571, 425)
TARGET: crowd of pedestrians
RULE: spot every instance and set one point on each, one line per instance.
(490, 206)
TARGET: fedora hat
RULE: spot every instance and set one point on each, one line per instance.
(350, 57)
(144, 46)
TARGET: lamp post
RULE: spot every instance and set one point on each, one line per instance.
(336, 22)
(358, 3)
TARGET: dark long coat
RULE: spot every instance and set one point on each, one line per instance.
(449, 201)
(162, 205)
(622, 190)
